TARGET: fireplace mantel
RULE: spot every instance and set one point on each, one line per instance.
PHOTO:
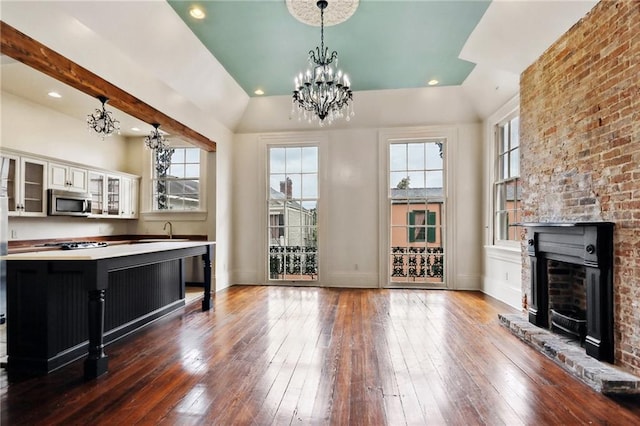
(580, 243)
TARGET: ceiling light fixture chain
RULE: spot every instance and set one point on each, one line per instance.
(322, 52)
(102, 121)
(323, 91)
(155, 139)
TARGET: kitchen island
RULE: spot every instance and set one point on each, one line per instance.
(64, 304)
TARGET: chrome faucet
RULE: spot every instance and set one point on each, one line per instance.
(164, 228)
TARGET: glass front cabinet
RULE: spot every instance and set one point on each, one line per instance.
(26, 186)
(112, 195)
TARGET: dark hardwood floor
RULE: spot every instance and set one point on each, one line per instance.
(278, 355)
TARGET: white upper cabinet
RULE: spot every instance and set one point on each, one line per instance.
(26, 186)
(66, 177)
(129, 197)
(114, 196)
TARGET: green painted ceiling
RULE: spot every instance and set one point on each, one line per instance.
(387, 44)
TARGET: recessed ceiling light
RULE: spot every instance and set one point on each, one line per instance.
(135, 129)
(433, 82)
(197, 13)
(259, 92)
(54, 95)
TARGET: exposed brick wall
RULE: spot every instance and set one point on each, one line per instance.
(580, 136)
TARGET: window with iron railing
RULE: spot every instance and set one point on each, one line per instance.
(293, 212)
(416, 211)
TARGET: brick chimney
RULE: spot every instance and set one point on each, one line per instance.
(286, 186)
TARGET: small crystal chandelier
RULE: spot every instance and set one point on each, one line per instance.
(323, 91)
(102, 121)
(155, 140)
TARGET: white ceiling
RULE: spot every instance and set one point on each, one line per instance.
(119, 41)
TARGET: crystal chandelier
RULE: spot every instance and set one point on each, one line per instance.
(155, 140)
(323, 91)
(102, 121)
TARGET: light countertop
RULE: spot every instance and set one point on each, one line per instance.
(115, 250)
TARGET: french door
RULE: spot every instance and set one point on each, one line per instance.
(416, 205)
(292, 225)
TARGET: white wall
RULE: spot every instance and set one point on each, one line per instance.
(349, 183)
(373, 109)
(465, 198)
(221, 219)
(502, 264)
(30, 127)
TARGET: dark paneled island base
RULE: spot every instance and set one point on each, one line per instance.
(62, 305)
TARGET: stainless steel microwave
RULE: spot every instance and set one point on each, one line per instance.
(68, 203)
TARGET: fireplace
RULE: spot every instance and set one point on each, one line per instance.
(589, 246)
(567, 298)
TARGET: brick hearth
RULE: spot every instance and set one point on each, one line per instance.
(565, 352)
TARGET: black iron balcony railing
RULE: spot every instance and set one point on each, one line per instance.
(293, 260)
(417, 262)
(407, 262)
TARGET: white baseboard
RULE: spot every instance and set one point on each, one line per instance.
(351, 280)
(503, 291)
(467, 282)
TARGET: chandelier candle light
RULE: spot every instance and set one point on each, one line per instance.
(155, 140)
(102, 121)
(323, 91)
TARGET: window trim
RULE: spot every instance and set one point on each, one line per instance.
(497, 180)
(311, 138)
(291, 231)
(149, 214)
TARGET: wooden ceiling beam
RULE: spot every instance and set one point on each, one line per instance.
(31, 52)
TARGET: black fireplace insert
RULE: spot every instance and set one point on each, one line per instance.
(580, 243)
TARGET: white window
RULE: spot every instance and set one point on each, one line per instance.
(293, 212)
(416, 209)
(176, 179)
(508, 193)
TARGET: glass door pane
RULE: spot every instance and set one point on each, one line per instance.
(96, 188)
(292, 222)
(12, 185)
(113, 196)
(33, 187)
(416, 212)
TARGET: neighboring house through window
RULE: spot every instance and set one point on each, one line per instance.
(507, 184)
(418, 227)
